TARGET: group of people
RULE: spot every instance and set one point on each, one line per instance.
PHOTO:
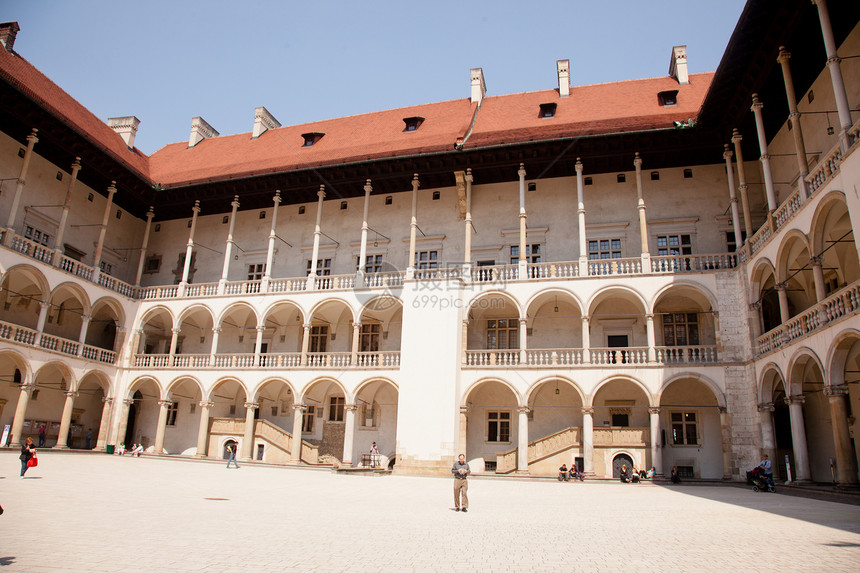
(573, 473)
(636, 475)
(134, 450)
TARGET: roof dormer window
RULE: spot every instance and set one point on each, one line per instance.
(412, 123)
(547, 110)
(311, 138)
(669, 97)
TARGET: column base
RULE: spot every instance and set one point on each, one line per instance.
(522, 472)
(59, 447)
(346, 464)
(295, 463)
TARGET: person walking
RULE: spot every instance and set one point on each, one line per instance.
(27, 452)
(42, 435)
(461, 473)
(231, 450)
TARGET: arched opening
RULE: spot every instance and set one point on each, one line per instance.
(376, 421)
(88, 409)
(156, 333)
(12, 374)
(324, 421)
(621, 417)
(65, 314)
(195, 335)
(807, 379)
(276, 400)
(282, 335)
(797, 276)
(102, 329)
(491, 427)
(684, 326)
(554, 330)
(21, 292)
(555, 427)
(142, 422)
(227, 414)
(493, 332)
(768, 298)
(46, 404)
(617, 327)
(621, 460)
(690, 430)
(379, 332)
(845, 402)
(183, 417)
(330, 336)
(834, 242)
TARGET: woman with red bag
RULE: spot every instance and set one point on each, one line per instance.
(28, 452)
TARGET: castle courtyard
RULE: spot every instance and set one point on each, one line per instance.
(91, 512)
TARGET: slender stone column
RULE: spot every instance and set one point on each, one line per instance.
(818, 277)
(643, 223)
(356, 335)
(66, 421)
(742, 187)
(733, 197)
(656, 451)
(248, 441)
(521, 172)
(40, 324)
(296, 447)
(755, 319)
(122, 429)
(586, 340)
(464, 330)
(588, 440)
(524, 331)
(463, 439)
(846, 463)
(203, 429)
(163, 408)
(312, 273)
(523, 440)
(794, 118)
(19, 186)
(798, 438)
(580, 211)
(782, 293)
(258, 343)
(189, 249)
(765, 158)
(21, 413)
(651, 337)
(362, 255)
(97, 257)
(306, 341)
(174, 339)
(768, 434)
(104, 424)
(833, 64)
(216, 334)
(228, 248)
(82, 336)
(349, 434)
(726, 435)
(67, 204)
(140, 264)
(270, 253)
(467, 258)
(413, 228)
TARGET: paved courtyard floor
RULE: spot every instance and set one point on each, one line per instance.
(94, 512)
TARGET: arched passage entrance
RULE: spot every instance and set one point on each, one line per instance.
(325, 418)
(376, 421)
(691, 422)
(621, 424)
(491, 432)
(554, 427)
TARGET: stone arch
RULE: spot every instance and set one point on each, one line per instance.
(464, 401)
(224, 380)
(552, 291)
(838, 355)
(78, 292)
(381, 321)
(284, 321)
(831, 225)
(106, 318)
(273, 380)
(330, 301)
(19, 362)
(322, 380)
(785, 248)
(684, 284)
(168, 391)
(157, 310)
(367, 381)
(802, 358)
(761, 269)
(770, 378)
(377, 399)
(476, 300)
(530, 392)
(795, 271)
(66, 372)
(625, 292)
(331, 323)
(101, 379)
(553, 321)
(229, 309)
(615, 377)
(33, 274)
(718, 393)
(139, 382)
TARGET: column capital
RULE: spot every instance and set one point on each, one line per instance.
(351, 407)
(150, 214)
(216, 330)
(795, 400)
(165, 403)
(522, 170)
(32, 139)
(175, 330)
(71, 394)
(637, 161)
(321, 192)
(649, 316)
(816, 260)
(523, 321)
(234, 203)
(756, 104)
(585, 318)
(277, 197)
(416, 183)
(356, 325)
(523, 409)
(755, 305)
(727, 152)
(306, 326)
(205, 404)
(76, 164)
(196, 208)
(469, 177)
(464, 410)
(835, 391)
(587, 411)
(107, 400)
(781, 286)
(138, 331)
(111, 188)
(722, 409)
(368, 187)
(299, 408)
(766, 407)
(654, 410)
(578, 166)
(736, 136)
(252, 405)
(261, 328)
(784, 55)
(743, 187)
(127, 401)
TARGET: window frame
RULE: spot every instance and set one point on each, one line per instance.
(498, 419)
(685, 426)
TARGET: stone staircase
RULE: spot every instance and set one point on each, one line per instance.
(268, 433)
(541, 449)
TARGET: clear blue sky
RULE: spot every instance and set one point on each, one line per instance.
(166, 61)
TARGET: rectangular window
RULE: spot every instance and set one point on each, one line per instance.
(319, 338)
(106, 268)
(36, 235)
(323, 267)
(533, 253)
(681, 329)
(370, 337)
(335, 408)
(372, 265)
(672, 245)
(604, 249)
(367, 415)
(153, 264)
(427, 260)
(308, 419)
(256, 272)
(621, 420)
(684, 431)
(731, 241)
(503, 334)
(498, 426)
(171, 413)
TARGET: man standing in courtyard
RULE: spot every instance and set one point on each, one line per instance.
(461, 473)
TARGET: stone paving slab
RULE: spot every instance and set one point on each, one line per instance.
(94, 512)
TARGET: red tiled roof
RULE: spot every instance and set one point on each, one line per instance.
(35, 85)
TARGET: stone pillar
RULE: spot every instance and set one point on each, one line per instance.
(66, 421)
(798, 438)
(123, 421)
(140, 264)
(768, 434)
(818, 277)
(524, 332)
(40, 324)
(270, 253)
(174, 339)
(258, 343)
(755, 320)
(464, 330)
(228, 248)
(306, 341)
(82, 336)
(67, 204)
(349, 434)
(833, 64)
(588, 441)
(203, 429)
(656, 442)
(643, 224)
(296, 448)
(467, 258)
(782, 293)
(523, 441)
(521, 172)
(652, 338)
(248, 440)
(846, 463)
(213, 352)
(104, 424)
(21, 414)
(794, 118)
(742, 187)
(463, 438)
(765, 158)
(356, 335)
(317, 232)
(413, 227)
(586, 341)
(580, 212)
(733, 197)
(726, 439)
(19, 186)
(189, 249)
(97, 257)
(163, 408)
(362, 254)
(141, 340)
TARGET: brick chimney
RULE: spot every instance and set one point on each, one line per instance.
(563, 77)
(479, 88)
(8, 31)
(126, 127)
(200, 130)
(263, 121)
(678, 65)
